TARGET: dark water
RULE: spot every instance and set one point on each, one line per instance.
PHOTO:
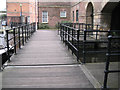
(98, 57)
(97, 54)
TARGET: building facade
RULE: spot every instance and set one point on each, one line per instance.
(53, 12)
(18, 10)
(103, 12)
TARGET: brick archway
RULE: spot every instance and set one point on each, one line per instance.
(110, 17)
(115, 19)
(90, 13)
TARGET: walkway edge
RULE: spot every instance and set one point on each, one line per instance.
(90, 77)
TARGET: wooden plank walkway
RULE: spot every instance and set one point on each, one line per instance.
(44, 62)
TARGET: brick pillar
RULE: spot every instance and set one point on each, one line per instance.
(103, 19)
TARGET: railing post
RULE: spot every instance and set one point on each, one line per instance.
(14, 40)
(63, 32)
(72, 37)
(60, 31)
(78, 34)
(25, 33)
(22, 36)
(97, 32)
(58, 27)
(107, 62)
(68, 36)
(8, 52)
(19, 37)
(29, 30)
(84, 41)
(34, 27)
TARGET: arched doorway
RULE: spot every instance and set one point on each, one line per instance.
(110, 17)
(89, 14)
(115, 19)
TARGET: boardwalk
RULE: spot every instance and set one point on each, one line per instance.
(44, 62)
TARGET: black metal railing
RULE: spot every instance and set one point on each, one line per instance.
(17, 37)
(112, 51)
(79, 37)
(93, 37)
(69, 35)
(80, 26)
(75, 36)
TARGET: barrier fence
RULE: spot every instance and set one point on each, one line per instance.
(80, 37)
(112, 40)
(17, 37)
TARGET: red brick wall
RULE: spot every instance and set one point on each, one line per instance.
(82, 12)
(54, 15)
(28, 9)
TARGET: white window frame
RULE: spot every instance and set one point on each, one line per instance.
(42, 17)
(61, 14)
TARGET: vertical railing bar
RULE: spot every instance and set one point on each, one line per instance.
(19, 37)
(14, 34)
(8, 52)
(25, 33)
(107, 62)
(72, 38)
(78, 35)
(84, 56)
(22, 36)
(68, 36)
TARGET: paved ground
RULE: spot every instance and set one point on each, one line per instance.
(97, 70)
(44, 49)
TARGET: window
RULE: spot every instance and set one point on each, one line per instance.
(73, 16)
(63, 14)
(76, 15)
(44, 17)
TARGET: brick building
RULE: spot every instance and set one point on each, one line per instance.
(53, 12)
(103, 12)
(18, 8)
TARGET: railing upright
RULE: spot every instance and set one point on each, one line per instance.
(14, 34)
(109, 54)
(78, 33)
(22, 35)
(27, 32)
(84, 46)
(68, 36)
(19, 37)
(63, 33)
(58, 28)
(72, 38)
(8, 51)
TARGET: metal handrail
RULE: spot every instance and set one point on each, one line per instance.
(109, 54)
(21, 34)
(66, 35)
(71, 38)
(68, 31)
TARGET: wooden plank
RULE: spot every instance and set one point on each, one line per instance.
(45, 77)
(44, 48)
